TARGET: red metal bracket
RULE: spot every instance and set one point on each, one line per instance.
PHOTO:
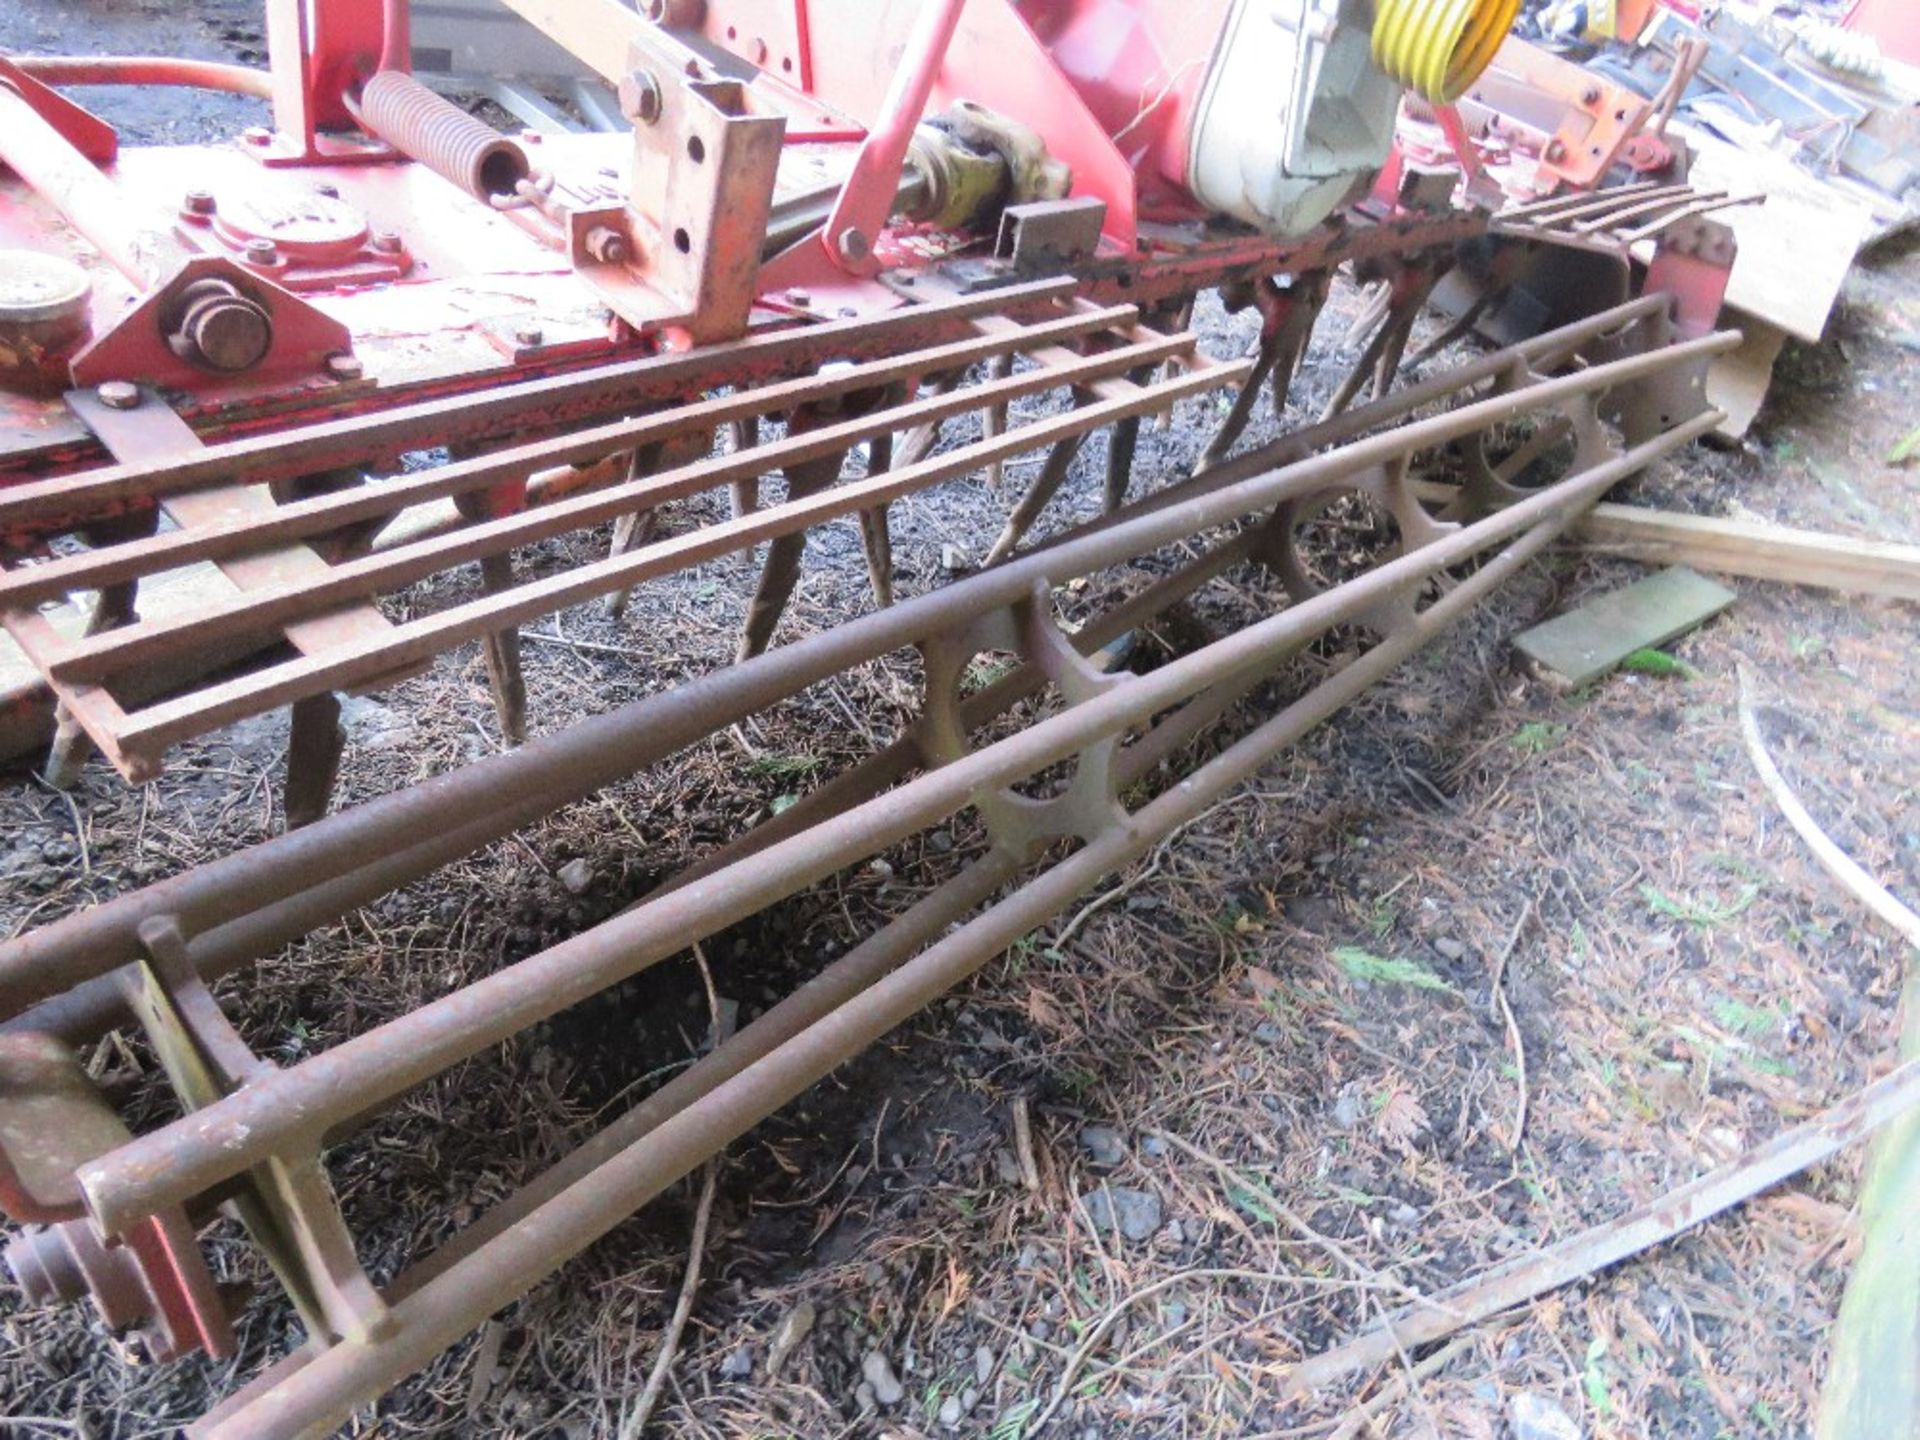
(80, 127)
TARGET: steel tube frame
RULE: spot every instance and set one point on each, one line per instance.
(295, 1107)
(316, 1391)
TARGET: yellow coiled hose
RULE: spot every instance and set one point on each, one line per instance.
(1437, 48)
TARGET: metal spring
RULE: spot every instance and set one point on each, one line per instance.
(442, 136)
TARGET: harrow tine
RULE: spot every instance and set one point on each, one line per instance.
(781, 572)
(1470, 317)
(1121, 447)
(876, 534)
(1381, 358)
(313, 758)
(993, 421)
(1053, 474)
(917, 443)
(501, 648)
(743, 496)
(637, 526)
(67, 752)
(1276, 361)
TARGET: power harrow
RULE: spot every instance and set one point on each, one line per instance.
(848, 253)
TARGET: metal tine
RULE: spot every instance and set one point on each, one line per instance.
(993, 421)
(314, 745)
(1457, 331)
(1122, 445)
(1046, 484)
(501, 648)
(781, 570)
(876, 533)
(1382, 354)
(743, 495)
(1276, 361)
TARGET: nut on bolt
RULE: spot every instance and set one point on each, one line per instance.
(198, 202)
(528, 335)
(640, 97)
(607, 245)
(118, 394)
(262, 252)
(387, 242)
(345, 367)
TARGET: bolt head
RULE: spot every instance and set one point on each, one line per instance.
(118, 394)
(345, 367)
(262, 252)
(854, 244)
(528, 335)
(198, 202)
(797, 296)
(387, 242)
(640, 98)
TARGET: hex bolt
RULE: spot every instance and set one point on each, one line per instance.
(797, 296)
(640, 97)
(345, 367)
(1590, 95)
(387, 242)
(198, 202)
(853, 243)
(262, 252)
(257, 135)
(118, 394)
(1556, 152)
(528, 335)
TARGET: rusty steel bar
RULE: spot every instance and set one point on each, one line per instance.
(511, 790)
(91, 569)
(296, 1106)
(95, 657)
(547, 403)
(153, 728)
(578, 1202)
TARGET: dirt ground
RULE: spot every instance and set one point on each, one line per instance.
(1275, 1047)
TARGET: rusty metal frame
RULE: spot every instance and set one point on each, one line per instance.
(255, 1133)
(83, 669)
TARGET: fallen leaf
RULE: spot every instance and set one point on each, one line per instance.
(1402, 1119)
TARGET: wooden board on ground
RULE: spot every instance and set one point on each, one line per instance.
(1584, 644)
(1756, 548)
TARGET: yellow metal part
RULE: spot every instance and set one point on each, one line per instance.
(1437, 48)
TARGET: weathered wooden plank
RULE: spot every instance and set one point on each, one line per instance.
(1586, 643)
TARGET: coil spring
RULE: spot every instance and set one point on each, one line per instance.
(442, 136)
(1437, 48)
